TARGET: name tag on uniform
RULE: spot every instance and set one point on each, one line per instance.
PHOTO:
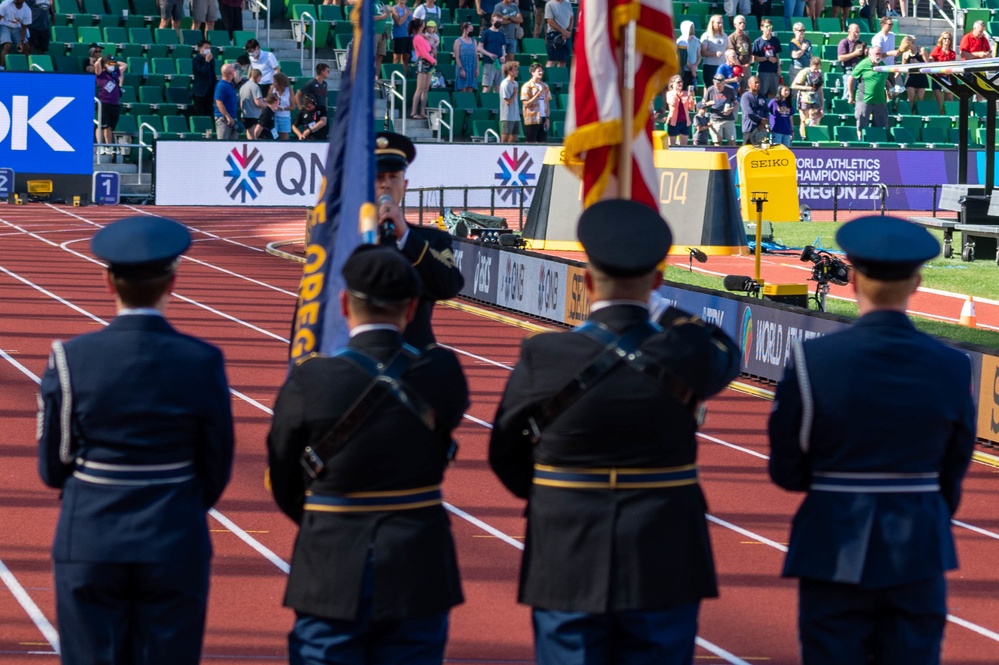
(109, 87)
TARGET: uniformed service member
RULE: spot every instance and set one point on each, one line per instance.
(596, 428)
(876, 423)
(135, 428)
(374, 572)
(427, 248)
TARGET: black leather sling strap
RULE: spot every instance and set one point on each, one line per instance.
(385, 380)
(617, 349)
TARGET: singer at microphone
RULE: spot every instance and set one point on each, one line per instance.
(427, 248)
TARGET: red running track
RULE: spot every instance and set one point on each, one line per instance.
(236, 296)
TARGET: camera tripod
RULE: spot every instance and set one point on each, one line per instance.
(821, 291)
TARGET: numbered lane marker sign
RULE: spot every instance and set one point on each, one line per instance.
(107, 188)
(6, 184)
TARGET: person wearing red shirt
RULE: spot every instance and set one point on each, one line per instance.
(943, 52)
(975, 44)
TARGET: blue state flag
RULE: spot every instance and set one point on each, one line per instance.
(348, 184)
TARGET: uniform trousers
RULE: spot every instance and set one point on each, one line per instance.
(136, 613)
(365, 641)
(843, 623)
(662, 637)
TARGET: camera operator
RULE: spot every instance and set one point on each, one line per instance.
(427, 248)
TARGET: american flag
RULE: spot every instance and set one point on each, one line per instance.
(593, 119)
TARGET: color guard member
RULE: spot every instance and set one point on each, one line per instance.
(374, 573)
(135, 428)
(597, 429)
(428, 248)
(876, 423)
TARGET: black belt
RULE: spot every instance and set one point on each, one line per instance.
(365, 502)
(615, 478)
(877, 483)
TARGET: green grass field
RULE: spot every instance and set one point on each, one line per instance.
(979, 278)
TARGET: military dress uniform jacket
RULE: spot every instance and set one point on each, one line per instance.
(140, 440)
(884, 399)
(430, 252)
(415, 567)
(612, 550)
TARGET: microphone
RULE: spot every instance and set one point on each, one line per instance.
(387, 226)
(697, 254)
(740, 283)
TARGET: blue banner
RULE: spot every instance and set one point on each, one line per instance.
(47, 123)
(349, 182)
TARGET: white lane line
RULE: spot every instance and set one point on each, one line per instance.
(278, 562)
(718, 651)
(732, 446)
(747, 533)
(977, 529)
(476, 356)
(491, 530)
(217, 237)
(974, 627)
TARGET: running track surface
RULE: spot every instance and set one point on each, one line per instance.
(233, 294)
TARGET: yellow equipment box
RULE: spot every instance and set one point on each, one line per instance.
(774, 172)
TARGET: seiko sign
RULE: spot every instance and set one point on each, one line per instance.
(47, 123)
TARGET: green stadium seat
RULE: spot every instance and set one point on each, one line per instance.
(927, 107)
(141, 35)
(94, 7)
(904, 137)
(157, 80)
(330, 13)
(178, 96)
(150, 94)
(844, 134)
(973, 15)
(184, 66)
(532, 45)
(175, 124)
(68, 7)
(40, 63)
(89, 34)
(145, 7)
(186, 23)
(557, 131)
(912, 123)
(819, 133)
(134, 21)
(66, 64)
(465, 100)
(17, 62)
(435, 97)
(201, 123)
(938, 122)
(240, 37)
(163, 66)
(63, 34)
(136, 65)
(828, 25)
(331, 99)
(116, 35)
(219, 38)
(479, 128)
(159, 50)
(128, 95)
(935, 135)
(138, 109)
(82, 21)
(166, 36)
(489, 100)
(291, 68)
(448, 70)
(952, 108)
(116, 7)
(190, 37)
(127, 125)
(155, 121)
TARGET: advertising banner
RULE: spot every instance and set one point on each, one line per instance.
(988, 399)
(479, 265)
(46, 123)
(532, 285)
(265, 173)
(714, 308)
(765, 335)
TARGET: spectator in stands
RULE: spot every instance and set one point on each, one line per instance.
(702, 125)
(433, 39)
(539, 18)
(872, 107)
(243, 68)
(428, 11)
(108, 81)
(205, 80)
(680, 111)
(814, 8)
(885, 40)
(510, 23)
(402, 43)
(755, 113)
(943, 52)
(734, 7)
(689, 47)
(317, 87)
(251, 102)
(509, 106)
(793, 9)
(203, 13)
(266, 128)
(264, 61)
(383, 32)
(526, 8)
(801, 50)
(286, 104)
(975, 44)
(558, 35)
(732, 71)
(311, 123)
(226, 105)
(810, 86)
(740, 42)
(425, 61)
(721, 103)
(841, 9)
(15, 17)
(466, 60)
(781, 111)
(714, 41)
(485, 8)
(915, 82)
(537, 99)
(760, 8)
(766, 51)
(40, 34)
(493, 49)
(93, 59)
(849, 53)
(231, 15)
(171, 12)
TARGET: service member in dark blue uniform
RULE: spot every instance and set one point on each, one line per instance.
(876, 423)
(136, 430)
(374, 572)
(596, 429)
(427, 248)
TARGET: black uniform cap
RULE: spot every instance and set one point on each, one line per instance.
(141, 247)
(623, 238)
(381, 276)
(393, 152)
(886, 248)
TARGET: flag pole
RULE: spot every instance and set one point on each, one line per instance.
(627, 87)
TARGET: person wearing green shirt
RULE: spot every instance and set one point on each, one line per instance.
(872, 105)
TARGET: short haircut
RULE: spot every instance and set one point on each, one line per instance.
(141, 292)
(883, 293)
(536, 66)
(366, 310)
(255, 74)
(322, 67)
(885, 20)
(203, 41)
(272, 97)
(765, 22)
(251, 44)
(815, 61)
(243, 60)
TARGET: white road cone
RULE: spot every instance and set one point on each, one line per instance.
(968, 313)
